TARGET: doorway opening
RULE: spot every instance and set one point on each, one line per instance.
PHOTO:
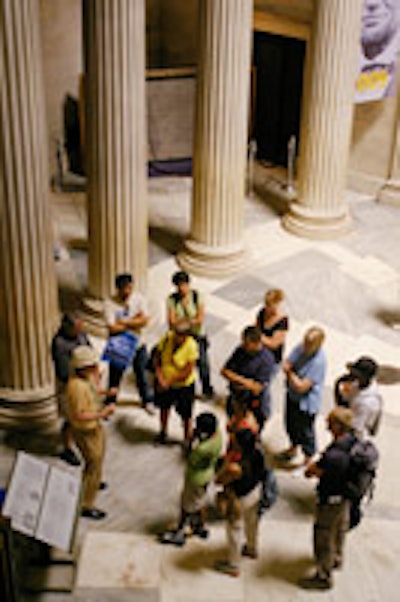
(279, 63)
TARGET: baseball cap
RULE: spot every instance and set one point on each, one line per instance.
(365, 366)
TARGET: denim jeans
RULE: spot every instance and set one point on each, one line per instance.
(140, 363)
(203, 364)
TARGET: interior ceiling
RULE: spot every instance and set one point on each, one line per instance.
(299, 10)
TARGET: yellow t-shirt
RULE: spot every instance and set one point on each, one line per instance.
(173, 360)
(81, 397)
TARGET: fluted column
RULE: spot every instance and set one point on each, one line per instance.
(115, 138)
(332, 59)
(215, 246)
(390, 193)
(27, 276)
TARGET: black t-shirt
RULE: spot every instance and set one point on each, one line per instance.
(282, 324)
(253, 472)
(335, 463)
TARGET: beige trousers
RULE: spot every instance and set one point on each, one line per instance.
(248, 519)
(92, 446)
(331, 525)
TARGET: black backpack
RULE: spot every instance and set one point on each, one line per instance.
(176, 297)
(362, 470)
(360, 481)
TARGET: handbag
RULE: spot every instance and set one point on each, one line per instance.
(120, 349)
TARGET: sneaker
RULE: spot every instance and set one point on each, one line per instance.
(249, 553)
(175, 538)
(149, 408)
(223, 566)
(201, 532)
(93, 513)
(316, 582)
(69, 456)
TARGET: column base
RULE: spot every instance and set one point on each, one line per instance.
(213, 262)
(33, 410)
(390, 193)
(92, 315)
(315, 227)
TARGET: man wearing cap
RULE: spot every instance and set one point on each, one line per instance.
(332, 512)
(127, 311)
(363, 397)
(175, 371)
(84, 413)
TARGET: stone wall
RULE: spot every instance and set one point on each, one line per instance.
(171, 42)
(371, 145)
(61, 31)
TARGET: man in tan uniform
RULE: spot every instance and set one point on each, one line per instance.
(84, 413)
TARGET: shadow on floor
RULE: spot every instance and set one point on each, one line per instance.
(34, 443)
(285, 569)
(276, 203)
(168, 239)
(125, 426)
(388, 375)
(389, 317)
(196, 560)
(134, 434)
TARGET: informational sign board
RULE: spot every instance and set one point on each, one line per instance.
(42, 501)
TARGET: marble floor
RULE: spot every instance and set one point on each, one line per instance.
(351, 287)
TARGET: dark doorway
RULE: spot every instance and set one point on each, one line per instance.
(279, 65)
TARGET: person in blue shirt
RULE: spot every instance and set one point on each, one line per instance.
(305, 370)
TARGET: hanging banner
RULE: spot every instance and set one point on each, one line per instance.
(380, 45)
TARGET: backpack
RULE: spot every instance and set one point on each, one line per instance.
(362, 470)
(176, 297)
(360, 481)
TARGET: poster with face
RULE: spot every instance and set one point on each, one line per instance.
(380, 45)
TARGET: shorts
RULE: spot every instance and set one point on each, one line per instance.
(194, 497)
(182, 398)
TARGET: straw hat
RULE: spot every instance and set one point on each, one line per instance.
(83, 356)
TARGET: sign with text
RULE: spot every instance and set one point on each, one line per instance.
(42, 501)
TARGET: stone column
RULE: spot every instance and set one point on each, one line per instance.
(332, 59)
(215, 246)
(28, 285)
(115, 137)
(390, 193)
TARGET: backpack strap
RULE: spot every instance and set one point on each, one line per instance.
(195, 295)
